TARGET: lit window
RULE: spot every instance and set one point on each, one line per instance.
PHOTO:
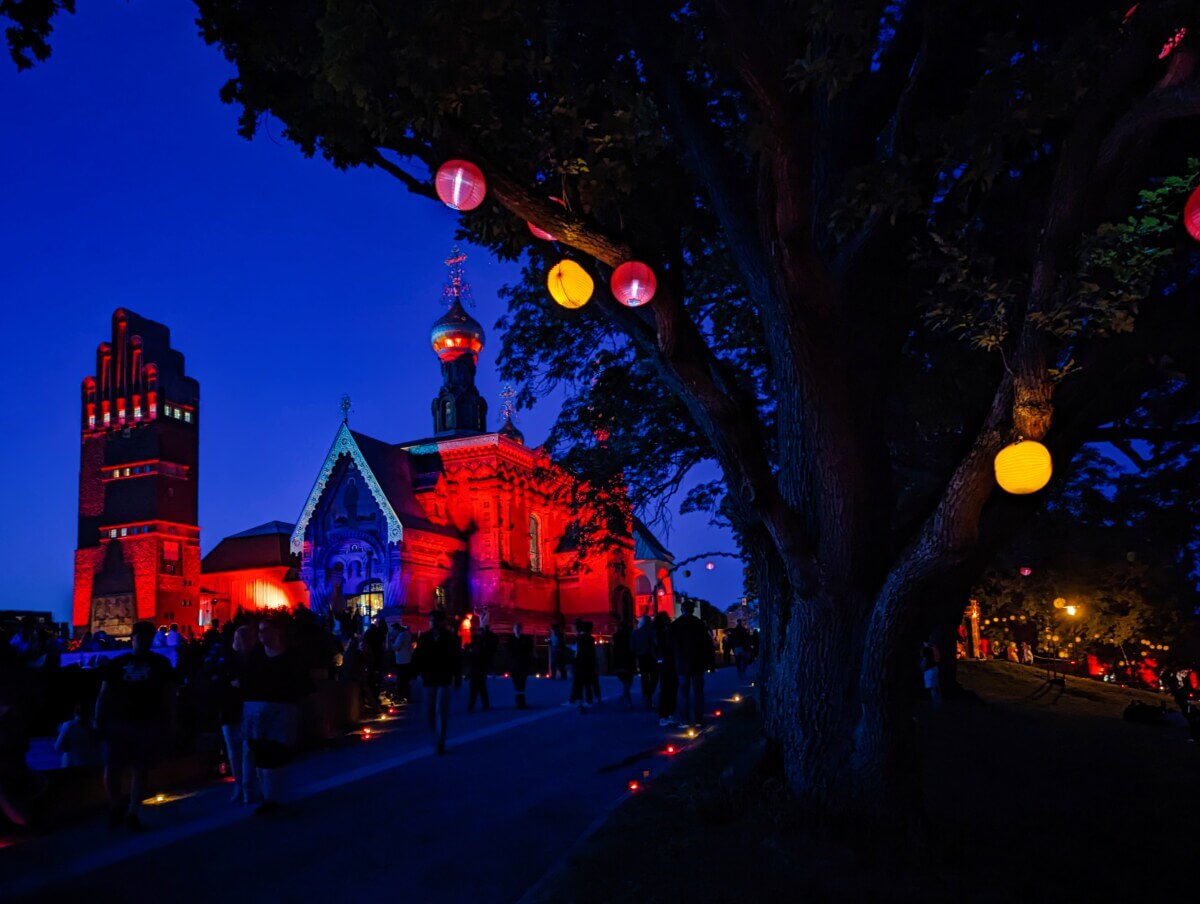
(127, 472)
(91, 420)
(187, 417)
(124, 531)
(120, 414)
(107, 418)
(137, 411)
(112, 532)
(535, 544)
(152, 409)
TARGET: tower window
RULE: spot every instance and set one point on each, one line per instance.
(137, 411)
(535, 544)
(107, 418)
(187, 417)
(91, 420)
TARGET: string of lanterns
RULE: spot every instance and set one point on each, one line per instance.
(461, 185)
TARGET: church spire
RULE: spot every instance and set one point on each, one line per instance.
(457, 339)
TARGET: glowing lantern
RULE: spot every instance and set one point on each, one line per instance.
(717, 713)
(633, 786)
(569, 284)
(542, 233)
(1026, 571)
(1191, 215)
(633, 284)
(1023, 467)
(709, 566)
(670, 749)
(460, 184)
(737, 698)
(1071, 610)
(1060, 603)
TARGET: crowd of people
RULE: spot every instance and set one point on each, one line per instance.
(244, 682)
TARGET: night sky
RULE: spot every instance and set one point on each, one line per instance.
(285, 283)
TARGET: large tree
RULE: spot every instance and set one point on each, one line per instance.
(890, 237)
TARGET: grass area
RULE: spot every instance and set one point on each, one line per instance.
(1027, 799)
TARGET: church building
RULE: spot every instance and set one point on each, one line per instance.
(465, 519)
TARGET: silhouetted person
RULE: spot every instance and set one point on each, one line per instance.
(642, 643)
(585, 666)
(668, 678)
(693, 649)
(520, 654)
(739, 641)
(481, 651)
(274, 682)
(131, 718)
(623, 661)
(557, 646)
(402, 653)
(438, 660)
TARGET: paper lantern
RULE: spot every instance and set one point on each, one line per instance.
(569, 284)
(460, 184)
(1023, 467)
(1060, 603)
(542, 233)
(1191, 215)
(633, 284)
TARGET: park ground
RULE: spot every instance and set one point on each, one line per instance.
(382, 819)
(1031, 793)
(1027, 796)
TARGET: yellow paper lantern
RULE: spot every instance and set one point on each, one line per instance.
(569, 284)
(1023, 467)
(1060, 603)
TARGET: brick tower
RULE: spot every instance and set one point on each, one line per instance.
(138, 552)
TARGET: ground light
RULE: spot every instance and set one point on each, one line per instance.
(717, 713)
(671, 750)
(691, 732)
(366, 733)
(633, 785)
(737, 698)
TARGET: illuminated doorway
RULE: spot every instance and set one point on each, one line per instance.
(368, 601)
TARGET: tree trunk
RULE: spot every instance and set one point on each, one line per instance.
(841, 728)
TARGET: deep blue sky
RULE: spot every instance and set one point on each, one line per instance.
(284, 282)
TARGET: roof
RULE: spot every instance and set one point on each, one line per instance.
(268, 529)
(647, 546)
(264, 546)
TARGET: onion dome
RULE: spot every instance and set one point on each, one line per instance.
(513, 432)
(456, 333)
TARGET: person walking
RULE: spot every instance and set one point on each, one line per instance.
(693, 648)
(668, 678)
(623, 662)
(520, 654)
(75, 743)
(131, 715)
(739, 641)
(375, 657)
(274, 682)
(558, 652)
(929, 672)
(642, 644)
(402, 652)
(585, 666)
(232, 668)
(481, 650)
(437, 659)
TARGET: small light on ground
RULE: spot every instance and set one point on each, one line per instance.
(737, 698)
(633, 785)
(671, 749)
(717, 713)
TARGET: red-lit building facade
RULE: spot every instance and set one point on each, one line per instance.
(138, 549)
(468, 520)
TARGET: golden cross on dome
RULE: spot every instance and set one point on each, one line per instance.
(457, 289)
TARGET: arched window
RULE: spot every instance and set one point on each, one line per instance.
(535, 544)
(642, 586)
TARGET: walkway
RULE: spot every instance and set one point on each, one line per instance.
(382, 817)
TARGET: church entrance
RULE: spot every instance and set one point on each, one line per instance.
(368, 601)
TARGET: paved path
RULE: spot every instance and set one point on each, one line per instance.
(383, 817)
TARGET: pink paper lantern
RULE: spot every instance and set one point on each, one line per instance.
(1191, 215)
(633, 283)
(460, 184)
(542, 233)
